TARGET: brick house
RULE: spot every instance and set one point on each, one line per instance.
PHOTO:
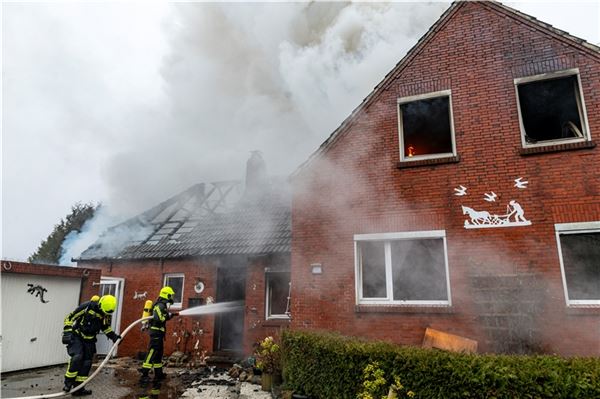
(463, 194)
(215, 242)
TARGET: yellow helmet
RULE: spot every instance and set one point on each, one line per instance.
(95, 298)
(167, 293)
(108, 303)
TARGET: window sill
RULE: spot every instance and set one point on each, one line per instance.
(276, 322)
(428, 162)
(583, 310)
(403, 309)
(558, 147)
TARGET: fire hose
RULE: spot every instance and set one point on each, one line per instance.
(106, 359)
(196, 311)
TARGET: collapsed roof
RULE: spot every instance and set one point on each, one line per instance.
(206, 219)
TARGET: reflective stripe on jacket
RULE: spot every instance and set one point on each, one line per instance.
(160, 315)
(87, 320)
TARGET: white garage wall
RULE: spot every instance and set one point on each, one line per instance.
(31, 330)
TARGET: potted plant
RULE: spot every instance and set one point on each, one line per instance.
(268, 361)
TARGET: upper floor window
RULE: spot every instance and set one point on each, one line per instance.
(175, 281)
(426, 126)
(402, 268)
(551, 109)
(579, 252)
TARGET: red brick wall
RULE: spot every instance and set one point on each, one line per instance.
(256, 325)
(355, 187)
(87, 275)
(148, 276)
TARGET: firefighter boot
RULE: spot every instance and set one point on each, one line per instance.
(68, 384)
(159, 375)
(82, 392)
(144, 379)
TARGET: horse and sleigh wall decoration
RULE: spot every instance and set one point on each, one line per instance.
(481, 219)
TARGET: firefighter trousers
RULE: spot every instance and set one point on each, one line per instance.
(81, 352)
(154, 357)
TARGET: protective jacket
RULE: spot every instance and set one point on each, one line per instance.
(160, 315)
(87, 320)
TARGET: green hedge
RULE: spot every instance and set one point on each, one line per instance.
(329, 366)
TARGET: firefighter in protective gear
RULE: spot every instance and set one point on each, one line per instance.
(157, 330)
(79, 334)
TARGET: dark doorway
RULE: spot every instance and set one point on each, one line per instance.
(231, 286)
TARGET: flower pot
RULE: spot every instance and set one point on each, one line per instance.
(266, 381)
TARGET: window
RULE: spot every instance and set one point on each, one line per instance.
(579, 252)
(551, 109)
(277, 294)
(175, 281)
(402, 268)
(426, 126)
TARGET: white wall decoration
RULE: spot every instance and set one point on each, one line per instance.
(480, 219)
(460, 191)
(140, 295)
(520, 184)
(491, 197)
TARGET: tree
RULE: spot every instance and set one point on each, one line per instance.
(50, 250)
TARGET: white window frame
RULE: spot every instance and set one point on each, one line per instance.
(171, 275)
(410, 99)
(387, 238)
(574, 228)
(580, 102)
(268, 295)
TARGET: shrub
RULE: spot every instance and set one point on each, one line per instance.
(268, 356)
(330, 366)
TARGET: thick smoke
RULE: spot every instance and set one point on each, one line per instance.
(241, 77)
(96, 230)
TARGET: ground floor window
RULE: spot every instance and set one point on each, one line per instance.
(175, 281)
(409, 268)
(579, 252)
(277, 299)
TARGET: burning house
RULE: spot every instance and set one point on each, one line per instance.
(462, 195)
(215, 242)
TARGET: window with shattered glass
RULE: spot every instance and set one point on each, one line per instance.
(426, 127)
(277, 294)
(551, 109)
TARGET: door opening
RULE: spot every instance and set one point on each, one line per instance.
(111, 286)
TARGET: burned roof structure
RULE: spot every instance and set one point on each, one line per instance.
(206, 219)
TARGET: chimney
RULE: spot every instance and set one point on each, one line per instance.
(256, 175)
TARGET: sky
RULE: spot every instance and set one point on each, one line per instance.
(130, 103)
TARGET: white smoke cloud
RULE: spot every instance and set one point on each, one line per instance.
(99, 108)
(93, 231)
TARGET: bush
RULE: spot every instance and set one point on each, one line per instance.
(330, 366)
(268, 356)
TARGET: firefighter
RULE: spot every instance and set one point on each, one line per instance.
(79, 334)
(157, 330)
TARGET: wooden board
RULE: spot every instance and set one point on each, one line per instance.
(449, 342)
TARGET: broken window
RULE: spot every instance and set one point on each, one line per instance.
(426, 129)
(277, 295)
(580, 260)
(551, 109)
(175, 281)
(403, 268)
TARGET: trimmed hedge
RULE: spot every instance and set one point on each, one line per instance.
(330, 366)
